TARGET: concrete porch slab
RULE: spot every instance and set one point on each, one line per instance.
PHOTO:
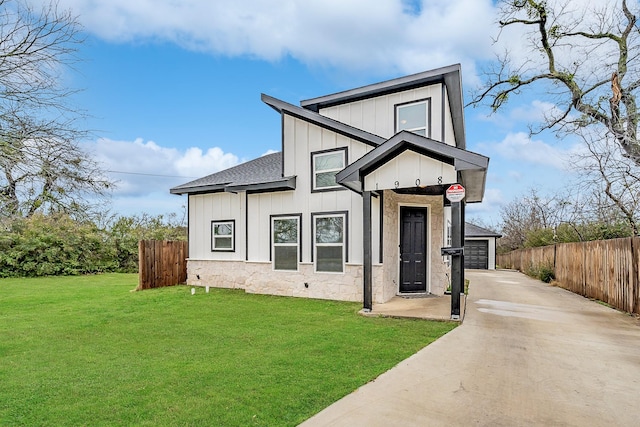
(429, 307)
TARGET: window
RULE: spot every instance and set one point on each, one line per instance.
(324, 166)
(329, 242)
(412, 117)
(222, 235)
(286, 242)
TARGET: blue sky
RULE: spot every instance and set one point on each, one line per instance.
(174, 88)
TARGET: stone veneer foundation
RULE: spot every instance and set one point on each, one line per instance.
(260, 278)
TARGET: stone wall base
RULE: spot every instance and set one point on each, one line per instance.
(259, 278)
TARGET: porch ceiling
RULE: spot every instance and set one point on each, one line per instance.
(471, 167)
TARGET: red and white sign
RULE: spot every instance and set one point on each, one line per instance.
(455, 193)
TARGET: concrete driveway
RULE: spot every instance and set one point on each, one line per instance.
(527, 354)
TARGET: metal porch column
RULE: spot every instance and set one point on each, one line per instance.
(366, 253)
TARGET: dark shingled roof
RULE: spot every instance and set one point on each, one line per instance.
(261, 174)
(471, 230)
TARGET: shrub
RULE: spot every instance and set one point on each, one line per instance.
(60, 245)
(543, 272)
(53, 245)
(126, 232)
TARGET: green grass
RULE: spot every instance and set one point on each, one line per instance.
(87, 351)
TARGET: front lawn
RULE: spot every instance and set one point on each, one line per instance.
(87, 351)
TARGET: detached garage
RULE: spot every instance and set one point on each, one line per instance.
(479, 248)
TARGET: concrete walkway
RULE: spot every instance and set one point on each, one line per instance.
(428, 307)
(527, 354)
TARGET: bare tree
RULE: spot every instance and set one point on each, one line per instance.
(42, 166)
(584, 57)
(533, 213)
(612, 179)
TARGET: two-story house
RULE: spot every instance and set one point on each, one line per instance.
(354, 202)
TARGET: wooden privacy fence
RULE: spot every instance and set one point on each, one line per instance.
(607, 270)
(162, 263)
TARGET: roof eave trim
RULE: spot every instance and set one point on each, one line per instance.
(395, 85)
(322, 121)
(263, 187)
(198, 189)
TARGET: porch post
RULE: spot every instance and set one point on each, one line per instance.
(463, 222)
(366, 253)
(457, 268)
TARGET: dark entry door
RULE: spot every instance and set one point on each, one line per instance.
(413, 249)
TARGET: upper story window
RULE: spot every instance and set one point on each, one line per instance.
(413, 117)
(324, 167)
(222, 236)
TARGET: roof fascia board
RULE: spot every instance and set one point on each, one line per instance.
(382, 88)
(287, 184)
(322, 121)
(198, 189)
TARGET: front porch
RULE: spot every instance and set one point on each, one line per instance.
(411, 164)
(425, 307)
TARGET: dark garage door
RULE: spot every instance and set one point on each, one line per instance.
(476, 254)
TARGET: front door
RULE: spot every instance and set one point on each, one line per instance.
(413, 249)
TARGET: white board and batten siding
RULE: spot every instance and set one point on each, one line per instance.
(204, 208)
(377, 115)
(407, 170)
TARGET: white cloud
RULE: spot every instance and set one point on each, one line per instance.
(492, 197)
(527, 113)
(536, 111)
(515, 175)
(141, 168)
(195, 162)
(521, 148)
(356, 34)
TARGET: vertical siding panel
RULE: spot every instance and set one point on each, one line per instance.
(344, 113)
(355, 119)
(381, 125)
(289, 145)
(331, 112)
(369, 117)
(315, 139)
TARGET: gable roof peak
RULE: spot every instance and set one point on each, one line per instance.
(449, 74)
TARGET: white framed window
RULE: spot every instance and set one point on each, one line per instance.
(285, 241)
(324, 167)
(330, 248)
(413, 117)
(223, 235)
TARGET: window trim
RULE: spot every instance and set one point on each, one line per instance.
(336, 187)
(427, 102)
(233, 235)
(272, 256)
(345, 239)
